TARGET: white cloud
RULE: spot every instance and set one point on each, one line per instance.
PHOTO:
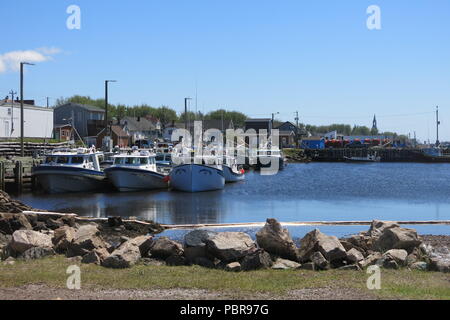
(10, 61)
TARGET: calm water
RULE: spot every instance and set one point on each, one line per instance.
(302, 192)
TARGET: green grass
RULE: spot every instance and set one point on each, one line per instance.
(401, 284)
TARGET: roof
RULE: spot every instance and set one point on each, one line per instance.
(286, 133)
(119, 132)
(207, 124)
(56, 126)
(82, 106)
(26, 106)
(259, 120)
(137, 124)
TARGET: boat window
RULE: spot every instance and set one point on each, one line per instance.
(151, 160)
(132, 161)
(118, 160)
(160, 157)
(144, 160)
(63, 160)
(77, 160)
(168, 157)
(50, 159)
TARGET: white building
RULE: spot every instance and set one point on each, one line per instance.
(38, 121)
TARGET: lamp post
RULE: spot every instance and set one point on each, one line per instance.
(106, 105)
(22, 151)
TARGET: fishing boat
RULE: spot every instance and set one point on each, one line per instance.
(71, 171)
(198, 175)
(231, 171)
(164, 161)
(368, 158)
(136, 171)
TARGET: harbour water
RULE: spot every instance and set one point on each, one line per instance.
(301, 192)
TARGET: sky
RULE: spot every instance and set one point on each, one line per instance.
(255, 56)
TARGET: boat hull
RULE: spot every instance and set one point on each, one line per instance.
(196, 178)
(231, 176)
(68, 180)
(128, 179)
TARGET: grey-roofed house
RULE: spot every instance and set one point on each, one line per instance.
(140, 128)
(83, 117)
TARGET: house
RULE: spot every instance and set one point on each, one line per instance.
(38, 121)
(313, 143)
(63, 132)
(118, 135)
(82, 117)
(139, 128)
(259, 124)
(289, 134)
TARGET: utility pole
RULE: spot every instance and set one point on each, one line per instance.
(12, 93)
(437, 126)
(297, 131)
(106, 105)
(47, 102)
(22, 151)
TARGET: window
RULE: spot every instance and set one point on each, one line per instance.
(144, 161)
(63, 160)
(9, 111)
(118, 160)
(160, 157)
(77, 160)
(50, 159)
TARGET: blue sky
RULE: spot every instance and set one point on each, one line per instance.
(258, 57)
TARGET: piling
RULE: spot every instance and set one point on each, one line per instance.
(18, 176)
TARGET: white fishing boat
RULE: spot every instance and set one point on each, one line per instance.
(205, 174)
(71, 171)
(231, 171)
(135, 172)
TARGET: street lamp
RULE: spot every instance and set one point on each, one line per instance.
(106, 104)
(22, 151)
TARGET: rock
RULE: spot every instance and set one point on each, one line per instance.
(35, 253)
(370, 260)
(233, 267)
(360, 242)
(123, 257)
(9, 261)
(283, 264)
(152, 262)
(256, 260)
(378, 227)
(85, 240)
(230, 246)
(308, 266)
(62, 238)
(354, 256)
(54, 224)
(10, 222)
(96, 256)
(22, 240)
(354, 267)
(115, 222)
(397, 238)
(399, 255)
(163, 248)
(75, 260)
(438, 264)
(411, 259)
(277, 241)
(328, 246)
(195, 244)
(144, 244)
(176, 260)
(319, 261)
(388, 264)
(420, 265)
(204, 262)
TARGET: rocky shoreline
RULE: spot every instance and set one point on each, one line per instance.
(114, 243)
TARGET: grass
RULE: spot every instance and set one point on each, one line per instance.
(396, 284)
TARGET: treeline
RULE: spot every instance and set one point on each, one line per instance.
(348, 130)
(165, 114)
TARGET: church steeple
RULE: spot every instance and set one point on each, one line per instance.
(374, 125)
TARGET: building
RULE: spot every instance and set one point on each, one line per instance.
(63, 132)
(140, 128)
(221, 125)
(86, 120)
(313, 143)
(118, 135)
(38, 121)
(259, 124)
(290, 134)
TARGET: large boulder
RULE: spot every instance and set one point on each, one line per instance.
(378, 227)
(163, 248)
(370, 260)
(63, 237)
(397, 238)
(277, 241)
(319, 261)
(10, 222)
(123, 257)
(97, 256)
(230, 246)
(86, 239)
(22, 240)
(354, 256)
(398, 255)
(144, 244)
(329, 246)
(195, 244)
(37, 253)
(256, 260)
(283, 264)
